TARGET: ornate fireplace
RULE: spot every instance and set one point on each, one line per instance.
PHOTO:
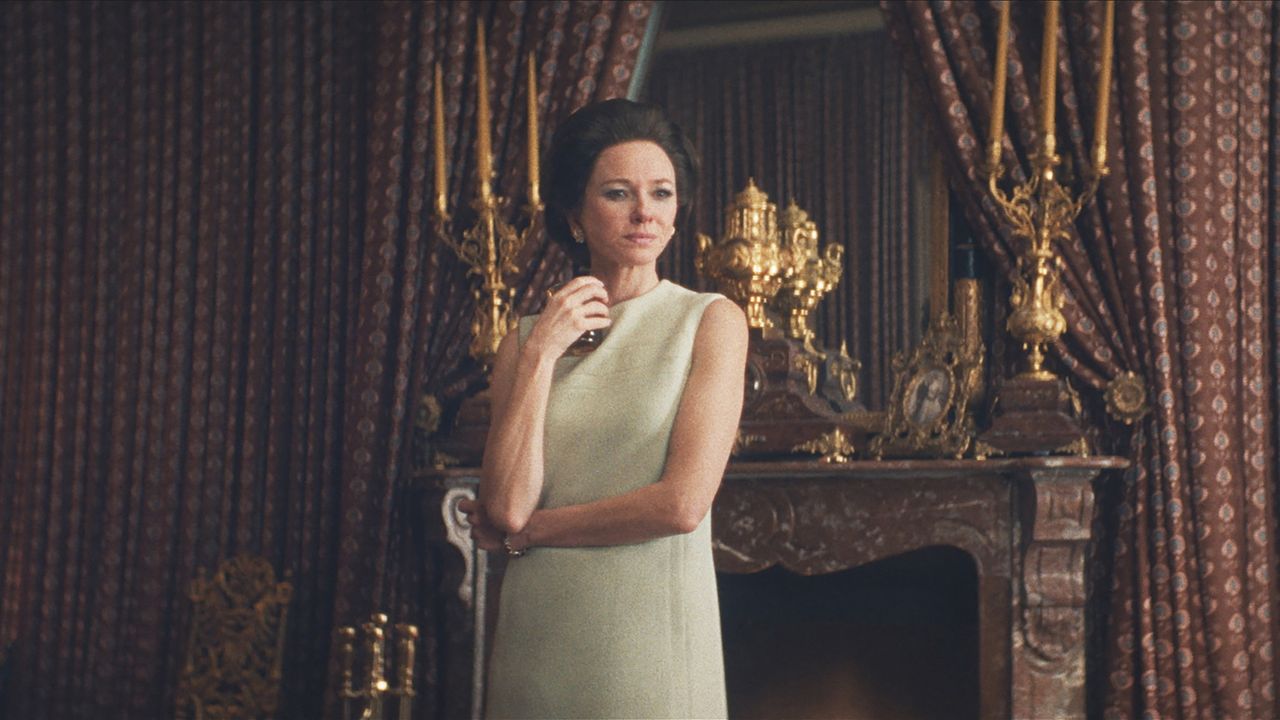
(1024, 522)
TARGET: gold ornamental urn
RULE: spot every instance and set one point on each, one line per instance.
(749, 264)
(812, 275)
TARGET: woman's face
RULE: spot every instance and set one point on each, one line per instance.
(628, 209)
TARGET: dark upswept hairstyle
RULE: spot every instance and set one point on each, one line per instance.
(591, 130)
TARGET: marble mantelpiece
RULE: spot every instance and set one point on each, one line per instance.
(1026, 522)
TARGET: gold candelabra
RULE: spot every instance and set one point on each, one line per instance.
(1040, 210)
(491, 245)
(376, 689)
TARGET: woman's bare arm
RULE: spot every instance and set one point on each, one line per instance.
(512, 470)
(705, 427)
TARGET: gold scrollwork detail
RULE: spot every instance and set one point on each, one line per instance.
(745, 440)
(807, 366)
(1078, 447)
(1126, 397)
(844, 370)
(834, 447)
(982, 451)
(429, 414)
(441, 460)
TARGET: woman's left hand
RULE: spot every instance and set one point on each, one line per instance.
(487, 537)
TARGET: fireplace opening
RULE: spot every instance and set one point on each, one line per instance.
(896, 638)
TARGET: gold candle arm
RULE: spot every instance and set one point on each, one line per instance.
(534, 199)
(484, 150)
(1048, 79)
(437, 117)
(997, 93)
(1100, 124)
(377, 654)
(346, 661)
(408, 635)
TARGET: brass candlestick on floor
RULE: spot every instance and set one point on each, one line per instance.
(376, 691)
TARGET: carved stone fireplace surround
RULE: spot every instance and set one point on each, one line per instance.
(1026, 522)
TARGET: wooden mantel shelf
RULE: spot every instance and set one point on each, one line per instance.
(1025, 521)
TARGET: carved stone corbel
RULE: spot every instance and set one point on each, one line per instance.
(1049, 634)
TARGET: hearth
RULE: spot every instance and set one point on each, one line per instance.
(896, 638)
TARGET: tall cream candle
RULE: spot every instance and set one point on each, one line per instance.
(1048, 76)
(997, 93)
(437, 116)
(1100, 124)
(484, 148)
(532, 124)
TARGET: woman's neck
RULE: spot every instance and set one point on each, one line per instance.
(622, 284)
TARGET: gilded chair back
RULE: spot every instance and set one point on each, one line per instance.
(233, 655)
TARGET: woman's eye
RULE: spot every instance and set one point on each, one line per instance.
(615, 194)
(663, 193)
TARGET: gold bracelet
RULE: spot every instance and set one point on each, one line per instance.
(511, 552)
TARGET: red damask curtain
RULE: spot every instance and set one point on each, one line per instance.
(218, 304)
(1171, 274)
(181, 242)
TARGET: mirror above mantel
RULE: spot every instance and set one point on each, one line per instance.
(809, 101)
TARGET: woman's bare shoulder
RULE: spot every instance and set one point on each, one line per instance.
(723, 325)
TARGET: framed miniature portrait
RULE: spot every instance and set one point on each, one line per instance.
(928, 396)
(933, 386)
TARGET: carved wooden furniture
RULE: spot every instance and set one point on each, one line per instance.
(1026, 522)
(233, 655)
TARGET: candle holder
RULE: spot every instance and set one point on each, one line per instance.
(489, 248)
(491, 245)
(1036, 411)
(375, 692)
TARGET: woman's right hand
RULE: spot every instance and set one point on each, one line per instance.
(582, 304)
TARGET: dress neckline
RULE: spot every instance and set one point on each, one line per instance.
(646, 294)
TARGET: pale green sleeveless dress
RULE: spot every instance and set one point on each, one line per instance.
(630, 631)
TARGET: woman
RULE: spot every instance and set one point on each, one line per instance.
(600, 470)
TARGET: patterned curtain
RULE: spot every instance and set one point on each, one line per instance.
(1171, 274)
(833, 125)
(217, 302)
